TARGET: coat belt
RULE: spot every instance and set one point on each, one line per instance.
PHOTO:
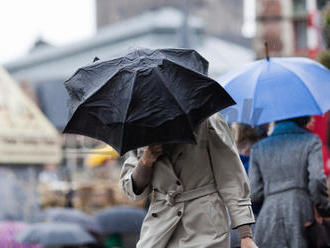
(172, 197)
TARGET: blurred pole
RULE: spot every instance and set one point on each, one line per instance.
(266, 50)
(185, 32)
(31, 205)
(71, 156)
(313, 30)
(249, 21)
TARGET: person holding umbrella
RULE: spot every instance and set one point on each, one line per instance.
(286, 169)
(164, 96)
(286, 173)
(190, 186)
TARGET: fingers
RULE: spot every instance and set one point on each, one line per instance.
(151, 154)
(158, 146)
(156, 149)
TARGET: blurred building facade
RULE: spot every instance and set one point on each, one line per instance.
(222, 17)
(291, 27)
(27, 141)
(154, 29)
(46, 67)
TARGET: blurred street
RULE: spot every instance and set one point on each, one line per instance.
(82, 82)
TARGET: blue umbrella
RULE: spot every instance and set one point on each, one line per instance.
(276, 89)
(123, 219)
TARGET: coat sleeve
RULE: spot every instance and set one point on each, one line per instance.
(229, 173)
(256, 182)
(126, 181)
(317, 185)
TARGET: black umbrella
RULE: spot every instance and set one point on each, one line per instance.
(55, 234)
(120, 219)
(146, 97)
(70, 215)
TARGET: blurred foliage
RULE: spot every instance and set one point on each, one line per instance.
(325, 58)
(326, 25)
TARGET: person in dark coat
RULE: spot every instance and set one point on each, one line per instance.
(286, 174)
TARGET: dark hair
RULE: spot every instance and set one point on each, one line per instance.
(246, 134)
(300, 121)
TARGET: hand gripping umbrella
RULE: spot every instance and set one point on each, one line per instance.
(146, 97)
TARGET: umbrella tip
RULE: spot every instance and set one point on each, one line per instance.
(267, 50)
(95, 59)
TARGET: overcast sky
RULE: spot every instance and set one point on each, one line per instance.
(56, 21)
(60, 22)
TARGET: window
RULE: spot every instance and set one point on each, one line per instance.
(299, 7)
(300, 29)
(322, 3)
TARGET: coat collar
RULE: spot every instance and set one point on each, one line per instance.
(287, 127)
(173, 151)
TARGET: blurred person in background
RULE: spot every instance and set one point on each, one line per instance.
(286, 174)
(49, 173)
(114, 241)
(69, 198)
(245, 136)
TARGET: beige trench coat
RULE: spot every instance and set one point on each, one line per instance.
(191, 189)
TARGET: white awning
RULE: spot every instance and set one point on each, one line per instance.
(26, 136)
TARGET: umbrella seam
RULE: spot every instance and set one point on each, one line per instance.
(254, 91)
(236, 73)
(162, 80)
(74, 110)
(190, 70)
(126, 112)
(309, 92)
(95, 65)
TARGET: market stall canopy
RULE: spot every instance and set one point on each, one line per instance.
(26, 136)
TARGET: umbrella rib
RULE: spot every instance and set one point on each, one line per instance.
(309, 92)
(255, 88)
(94, 91)
(163, 82)
(126, 112)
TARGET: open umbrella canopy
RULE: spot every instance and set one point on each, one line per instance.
(71, 215)
(55, 234)
(277, 89)
(146, 97)
(8, 232)
(122, 219)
